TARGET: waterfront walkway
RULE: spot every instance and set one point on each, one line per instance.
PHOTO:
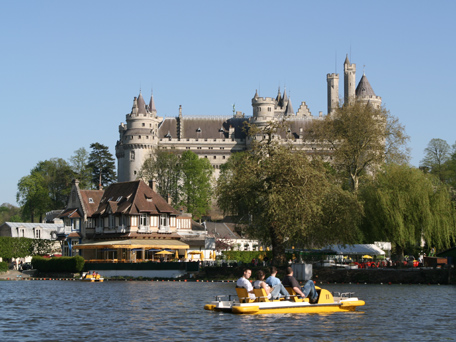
(13, 274)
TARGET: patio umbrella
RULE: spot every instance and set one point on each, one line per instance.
(367, 257)
(163, 253)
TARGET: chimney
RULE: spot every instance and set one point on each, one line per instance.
(153, 185)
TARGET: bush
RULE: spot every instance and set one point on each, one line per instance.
(61, 264)
(3, 266)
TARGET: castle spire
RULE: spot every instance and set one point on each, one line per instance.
(152, 108)
(141, 104)
(289, 111)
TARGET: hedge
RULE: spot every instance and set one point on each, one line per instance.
(3, 266)
(59, 264)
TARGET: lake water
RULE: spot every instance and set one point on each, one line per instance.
(173, 311)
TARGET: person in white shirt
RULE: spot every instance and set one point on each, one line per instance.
(244, 282)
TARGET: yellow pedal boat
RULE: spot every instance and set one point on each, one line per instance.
(327, 302)
(92, 278)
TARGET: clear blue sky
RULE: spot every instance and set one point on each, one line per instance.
(69, 69)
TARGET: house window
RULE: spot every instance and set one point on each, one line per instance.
(143, 220)
(164, 220)
(91, 200)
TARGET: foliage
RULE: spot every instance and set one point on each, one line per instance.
(246, 256)
(15, 247)
(196, 187)
(3, 266)
(41, 247)
(102, 166)
(79, 164)
(46, 188)
(9, 213)
(33, 196)
(58, 176)
(403, 205)
(165, 169)
(61, 264)
(360, 138)
(281, 197)
(440, 160)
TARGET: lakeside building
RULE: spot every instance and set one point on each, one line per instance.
(216, 138)
(123, 223)
(41, 231)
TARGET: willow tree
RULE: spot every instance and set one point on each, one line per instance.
(360, 137)
(404, 206)
(281, 197)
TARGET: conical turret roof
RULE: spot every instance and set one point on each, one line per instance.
(152, 108)
(141, 104)
(364, 88)
(289, 111)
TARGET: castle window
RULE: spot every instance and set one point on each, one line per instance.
(222, 148)
(223, 157)
(132, 155)
(139, 137)
(147, 137)
(187, 148)
(143, 124)
(199, 148)
(215, 157)
(198, 130)
(269, 109)
(205, 157)
(134, 172)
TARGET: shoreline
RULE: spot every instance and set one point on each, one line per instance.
(390, 276)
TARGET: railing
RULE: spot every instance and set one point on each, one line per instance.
(163, 229)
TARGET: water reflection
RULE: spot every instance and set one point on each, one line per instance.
(173, 311)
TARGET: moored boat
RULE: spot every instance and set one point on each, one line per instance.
(327, 302)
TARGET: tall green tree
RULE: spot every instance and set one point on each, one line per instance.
(33, 196)
(403, 205)
(58, 176)
(360, 138)
(196, 184)
(46, 188)
(436, 155)
(283, 198)
(102, 165)
(79, 164)
(165, 169)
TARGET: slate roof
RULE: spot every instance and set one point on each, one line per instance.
(203, 128)
(132, 198)
(364, 88)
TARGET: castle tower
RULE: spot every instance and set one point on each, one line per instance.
(365, 93)
(263, 110)
(333, 91)
(137, 139)
(349, 80)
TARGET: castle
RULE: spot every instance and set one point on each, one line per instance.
(216, 138)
